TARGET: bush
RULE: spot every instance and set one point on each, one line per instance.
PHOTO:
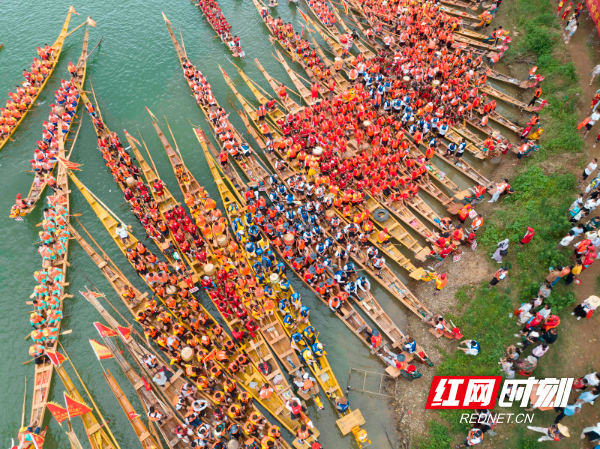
(439, 437)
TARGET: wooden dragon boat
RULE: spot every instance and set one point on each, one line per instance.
(489, 90)
(43, 371)
(140, 429)
(97, 432)
(38, 185)
(57, 50)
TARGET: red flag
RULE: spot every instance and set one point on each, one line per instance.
(132, 415)
(199, 133)
(303, 15)
(131, 137)
(101, 351)
(55, 357)
(75, 408)
(38, 441)
(345, 7)
(68, 164)
(146, 384)
(59, 413)
(93, 24)
(224, 74)
(125, 332)
(71, 9)
(104, 331)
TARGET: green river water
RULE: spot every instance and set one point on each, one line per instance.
(135, 66)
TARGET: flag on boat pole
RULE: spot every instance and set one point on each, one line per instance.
(55, 357)
(59, 413)
(92, 23)
(125, 332)
(71, 9)
(345, 7)
(131, 137)
(104, 331)
(74, 407)
(101, 351)
(303, 16)
(68, 164)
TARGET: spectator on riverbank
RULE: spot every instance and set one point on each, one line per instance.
(587, 307)
(500, 275)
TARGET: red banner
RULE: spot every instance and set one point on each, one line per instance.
(104, 331)
(75, 408)
(594, 9)
(55, 357)
(59, 413)
(125, 332)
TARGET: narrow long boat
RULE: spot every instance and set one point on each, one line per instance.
(505, 122)
(465, 168)
(214, 29)
(288, 103)
(489, 90)
(461, 14)
(140, 429)
(96, 431)
(494, 74)
(342, 84)
(38, 185)
(249, 381)
(56, 51)
(351, 318)
(455, 134)
(43, 371)
(290, 50)
(299, 85)
(256, 171)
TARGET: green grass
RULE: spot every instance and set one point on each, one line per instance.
(541, 200)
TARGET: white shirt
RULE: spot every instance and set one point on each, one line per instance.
(592, 379)
(545, 312)
(539, 351)
(568, 239)
(592, 165)
(122, 232)
(594, 118)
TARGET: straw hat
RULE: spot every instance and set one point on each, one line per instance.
(594, 301)
(532, 359)
(564, 430)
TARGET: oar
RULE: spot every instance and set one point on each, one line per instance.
(24, 404)
(67, 332)
(72, 215)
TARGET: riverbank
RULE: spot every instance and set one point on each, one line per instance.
(544, 185)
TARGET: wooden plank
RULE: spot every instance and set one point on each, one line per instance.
(348, 422)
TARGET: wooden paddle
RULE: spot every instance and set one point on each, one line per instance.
(67, 332)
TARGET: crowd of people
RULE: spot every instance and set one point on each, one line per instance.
(212, 12)
(47, 295)
(58, 124)
(20, 101)
(237, 291)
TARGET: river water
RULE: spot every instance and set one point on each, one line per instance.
(135, 66)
